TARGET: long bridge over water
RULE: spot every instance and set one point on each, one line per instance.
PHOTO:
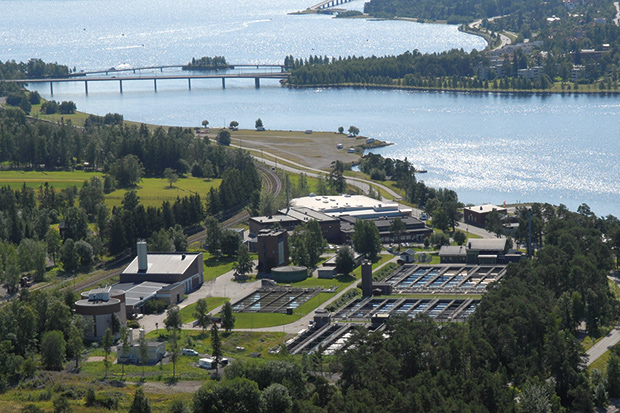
(153, 77)
(327, 4)
(162, 67)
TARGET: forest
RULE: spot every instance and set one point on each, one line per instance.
(125, 154)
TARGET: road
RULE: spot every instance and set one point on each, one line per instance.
(611, 339)
(504, 40)
(603, 345)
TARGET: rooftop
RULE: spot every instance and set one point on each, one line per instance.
(453, 250)
(487, 244)
(164, 263)
(305, 214)
(354, 205)
(137, 292)
(484, 209)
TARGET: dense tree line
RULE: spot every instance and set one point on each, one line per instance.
(441, 204)
(34, 68)
(37, 145)
(38, 323)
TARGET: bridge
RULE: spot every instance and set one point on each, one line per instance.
(162, 67)
(328, 3)
(154, 78)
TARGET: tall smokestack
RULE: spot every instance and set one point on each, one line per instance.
(288, 201)
(143, 262)
(366, 278)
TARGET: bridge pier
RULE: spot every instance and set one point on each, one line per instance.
(120, 82)
(155, 84)
(257, 82)
(189, 83)
(86, 86)
(52, 88)
(223, 83)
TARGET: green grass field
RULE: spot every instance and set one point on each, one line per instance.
(187, 313)
(261, 320)
(216, 267)
(152, 191)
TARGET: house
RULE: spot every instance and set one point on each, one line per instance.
(477, 215)
(155, 351)
(408, 256)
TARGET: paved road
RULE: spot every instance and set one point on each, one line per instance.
(603, 345)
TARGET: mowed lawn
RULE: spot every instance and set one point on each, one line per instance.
(152, 191)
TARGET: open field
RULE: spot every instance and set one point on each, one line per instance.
(152, 191)
(34, 179)
(316, 150)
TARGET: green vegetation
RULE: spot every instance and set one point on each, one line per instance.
(187, 313)
(207, 63)
(261, 320)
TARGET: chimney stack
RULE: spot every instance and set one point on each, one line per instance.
(143, 262)
(366, 278)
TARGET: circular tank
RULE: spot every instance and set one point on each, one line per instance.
(289, 274)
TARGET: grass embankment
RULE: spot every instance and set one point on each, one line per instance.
(152, 191)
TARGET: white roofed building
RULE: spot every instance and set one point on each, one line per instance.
(358, 206)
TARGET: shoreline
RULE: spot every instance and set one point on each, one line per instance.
(476, 91)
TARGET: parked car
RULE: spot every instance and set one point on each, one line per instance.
(189, 352)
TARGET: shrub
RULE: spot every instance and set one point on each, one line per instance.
(155, 306)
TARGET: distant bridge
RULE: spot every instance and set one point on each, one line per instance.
(328, 3)
(162, 67)
(154, 78)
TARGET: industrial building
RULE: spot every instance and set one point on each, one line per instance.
(169, 267)
(99, 307)
(359, 206)
(484, 251)
(165, 276)
(415, 229)
(272, 248)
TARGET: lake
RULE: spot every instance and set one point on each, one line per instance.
(487, 147)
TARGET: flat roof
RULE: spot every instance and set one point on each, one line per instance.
(487, 244)
(272, 219)
(164, 263)
(305, 214)
(137, 292)
(452, 250)
(355, 205)
(484, 209)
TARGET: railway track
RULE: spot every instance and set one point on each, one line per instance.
(271, 183)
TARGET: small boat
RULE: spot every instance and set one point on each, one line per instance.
(421, 171)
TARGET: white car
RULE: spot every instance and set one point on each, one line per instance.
(189, 352)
